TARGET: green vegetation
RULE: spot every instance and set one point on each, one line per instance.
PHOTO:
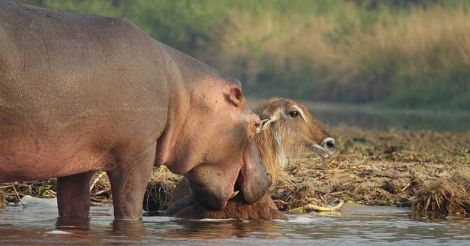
(395, 53)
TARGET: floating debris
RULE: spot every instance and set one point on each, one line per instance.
(315, 208)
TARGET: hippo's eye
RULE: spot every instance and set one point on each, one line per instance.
(294, 114)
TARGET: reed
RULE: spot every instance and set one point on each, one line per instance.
(407, 58)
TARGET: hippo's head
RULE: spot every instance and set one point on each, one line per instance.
(215, 147)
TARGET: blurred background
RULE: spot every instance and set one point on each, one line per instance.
(372, 63)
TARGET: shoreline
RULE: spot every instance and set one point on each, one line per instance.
(426, 170)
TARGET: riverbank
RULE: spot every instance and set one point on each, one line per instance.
(427, 170)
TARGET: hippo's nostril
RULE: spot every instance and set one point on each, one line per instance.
(258, 126)
(328, 143)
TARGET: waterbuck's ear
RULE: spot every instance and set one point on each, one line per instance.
(264, 123)
(267, 118)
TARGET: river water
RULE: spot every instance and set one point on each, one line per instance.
(355, 225)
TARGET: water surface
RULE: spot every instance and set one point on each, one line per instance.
(355, 225)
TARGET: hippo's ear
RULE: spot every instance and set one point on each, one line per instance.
(235, 96)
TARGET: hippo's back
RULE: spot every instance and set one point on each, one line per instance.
(72, 82)
(47, 52)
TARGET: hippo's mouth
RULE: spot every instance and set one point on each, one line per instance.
(245, 190)
(237, 187)
(236, 195)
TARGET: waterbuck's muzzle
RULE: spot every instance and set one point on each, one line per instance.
(328, 143)
(326, 147)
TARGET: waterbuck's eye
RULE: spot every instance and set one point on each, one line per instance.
(294, 114)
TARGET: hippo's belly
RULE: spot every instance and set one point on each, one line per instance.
(38, 165)
(32, 155)
(36, 146)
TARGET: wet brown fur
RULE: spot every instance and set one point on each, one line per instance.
(182, 205)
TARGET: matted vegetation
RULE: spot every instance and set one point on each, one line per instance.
(427, 170)
(448, 195)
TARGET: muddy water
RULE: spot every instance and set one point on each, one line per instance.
(355, 225)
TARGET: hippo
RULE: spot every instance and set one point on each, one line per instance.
(81, 93)
(288, 131)
(2, 199)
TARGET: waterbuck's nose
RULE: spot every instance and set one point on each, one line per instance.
(328, 143)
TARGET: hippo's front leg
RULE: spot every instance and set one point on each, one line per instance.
(129, 181)
(73, 196)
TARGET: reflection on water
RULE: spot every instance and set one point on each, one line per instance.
(355, 225)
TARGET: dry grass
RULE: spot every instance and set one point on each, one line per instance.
(379, 168)
(448, 195)
(159, 190)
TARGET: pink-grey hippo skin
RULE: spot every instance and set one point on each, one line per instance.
(81, 93)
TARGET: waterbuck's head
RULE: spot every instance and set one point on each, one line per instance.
(289, 130)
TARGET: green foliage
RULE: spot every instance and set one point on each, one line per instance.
(398, 53)
(102, 7)
(185, 24)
